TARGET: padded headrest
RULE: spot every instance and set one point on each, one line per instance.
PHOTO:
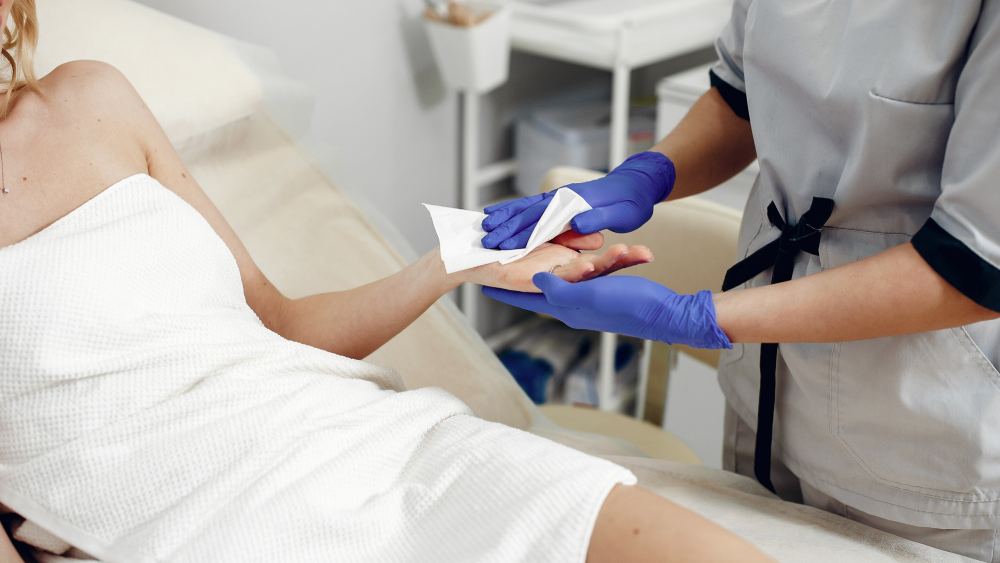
(193, 79)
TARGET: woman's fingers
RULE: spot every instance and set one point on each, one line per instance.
(609, 258)
(616, 257)
(576, 270)
(562, 261)
(576, 241)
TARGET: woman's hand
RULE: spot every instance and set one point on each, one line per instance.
(562, 258)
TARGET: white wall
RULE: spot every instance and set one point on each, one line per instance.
(386, 126)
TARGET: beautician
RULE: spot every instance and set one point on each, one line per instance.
(871, 253)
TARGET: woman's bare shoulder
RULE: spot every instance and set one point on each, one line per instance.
(83, 88)
(89, 83)
(99, 116)
(95, 76)
(94, 101)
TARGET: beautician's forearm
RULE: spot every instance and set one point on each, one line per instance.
(357, 322)
(888, 294)
(709, 146)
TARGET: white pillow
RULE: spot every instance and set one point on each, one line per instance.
(192, 78)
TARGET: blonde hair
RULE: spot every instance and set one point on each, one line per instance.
(20, 36)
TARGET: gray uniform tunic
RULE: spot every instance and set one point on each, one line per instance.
(892, 109)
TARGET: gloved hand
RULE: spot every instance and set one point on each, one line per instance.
(627, 305)
(622, 201)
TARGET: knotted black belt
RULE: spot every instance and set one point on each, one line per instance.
(779, 254)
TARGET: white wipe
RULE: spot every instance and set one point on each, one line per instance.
(460, 232)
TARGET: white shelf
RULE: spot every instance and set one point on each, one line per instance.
(609, 33)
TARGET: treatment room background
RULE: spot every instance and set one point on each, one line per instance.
(386, 128)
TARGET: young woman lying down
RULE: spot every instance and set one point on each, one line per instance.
(161, 400)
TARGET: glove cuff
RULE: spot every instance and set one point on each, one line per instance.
(685, 319)
(714, 337)
(657, 168)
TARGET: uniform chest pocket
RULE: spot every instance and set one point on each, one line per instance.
(922, 47)
(906, 144)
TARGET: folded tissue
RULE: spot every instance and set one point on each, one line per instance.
(460, 232)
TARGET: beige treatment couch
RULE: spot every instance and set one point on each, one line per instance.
(308, 237)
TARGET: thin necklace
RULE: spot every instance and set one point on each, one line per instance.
(3, 185)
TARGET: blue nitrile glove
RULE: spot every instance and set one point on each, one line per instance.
(627, 305)
(622, 201)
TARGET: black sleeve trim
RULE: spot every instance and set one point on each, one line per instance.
(736, 99)
(968, 272)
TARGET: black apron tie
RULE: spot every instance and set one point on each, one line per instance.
(780, 255)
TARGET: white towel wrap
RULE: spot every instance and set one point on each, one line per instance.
(146, 414)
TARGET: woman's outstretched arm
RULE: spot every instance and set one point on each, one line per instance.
(355, 322)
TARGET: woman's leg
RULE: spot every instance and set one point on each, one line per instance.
(636, 525)
(7, 552)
